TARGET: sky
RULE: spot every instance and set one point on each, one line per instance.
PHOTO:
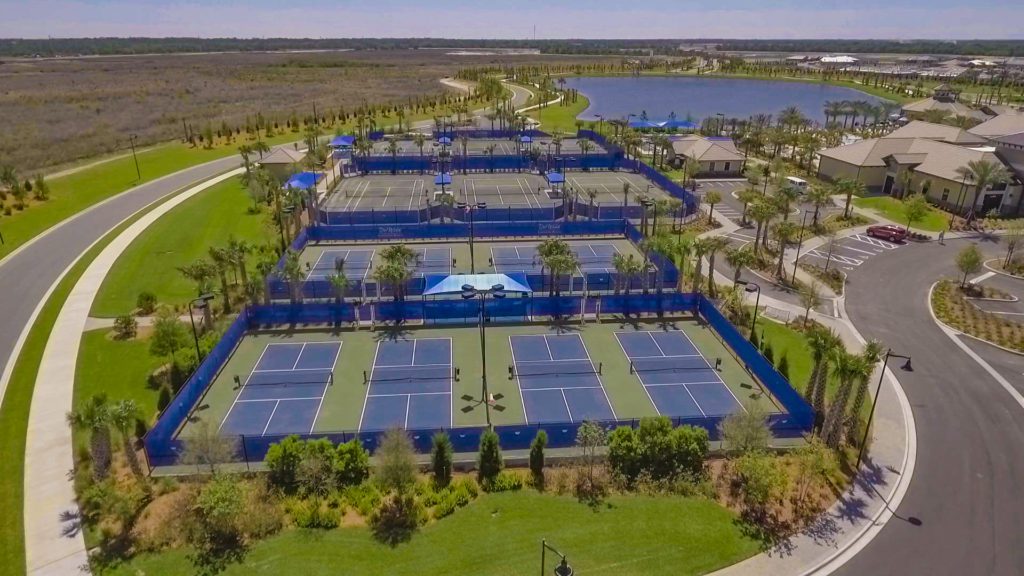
(886, 19)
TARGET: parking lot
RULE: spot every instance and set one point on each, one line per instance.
(848, 252)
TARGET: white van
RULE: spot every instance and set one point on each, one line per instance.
(797, 183)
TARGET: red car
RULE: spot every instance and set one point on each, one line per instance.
(888, 232)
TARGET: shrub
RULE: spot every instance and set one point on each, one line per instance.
(263, 515)
(396, 461)
(762, 481)
(468, 485)
(315, 474)
(163, 399)
(490, 461)
(313, 514)
(364, 498)
(125, 327)
(540, 441)
(282, 462)
(505, 481)
(657, 451)
(624, 453)
(445, 507)
(783, 365)
(746, 431)
(352, 463)
(146, 303)
(214, 531)
(398, 516)
(441, 458)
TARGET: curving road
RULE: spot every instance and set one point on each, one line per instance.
(969, 476)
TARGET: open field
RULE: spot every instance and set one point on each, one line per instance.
(57, 111)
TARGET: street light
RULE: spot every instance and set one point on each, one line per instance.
(131, 140)
(752, 287)
(907, 367)
(800, 243)
(563, 568)
(204, 301)
(469, 292)
(469, 209)
(646, 203)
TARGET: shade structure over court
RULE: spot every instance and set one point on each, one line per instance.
(452, 284)
(679, 124)
(443, 179)
(303, 180)
(555, 178)
(643, 124)
(343, 141)
(525, 139)
(444, 141)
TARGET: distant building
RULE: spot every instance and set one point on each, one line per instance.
(283, 162)
(944, 98)
(837, 61)
(717, 156)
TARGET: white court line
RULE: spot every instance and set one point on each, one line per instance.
(323, 394)
(407, 394)
(299, 356)
(254, 400)
(599, 380)
(519, 384)
(408, 403)
(554, 360)
(561, 388)
(269, 420)
(566, 401)
(722, 382)
(681, 383)
(242, 387)
(368, 385)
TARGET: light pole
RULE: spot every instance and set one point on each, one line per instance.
(563, 568)
(867, 427)
(469, 209)
(204, 301)
(469, 292)
(800, 243)
(646, 204)
(753, 287)
(131, 140)
(721, 122)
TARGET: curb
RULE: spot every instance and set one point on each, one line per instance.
(962, 333)
(998, 271)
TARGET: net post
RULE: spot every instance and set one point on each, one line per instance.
(366, 379)
(632, 369)
(600, 368)
(511, 372)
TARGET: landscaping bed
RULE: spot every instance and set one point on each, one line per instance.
(952, 306)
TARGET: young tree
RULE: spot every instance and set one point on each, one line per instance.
(396, 461)
(441, 459)
(282, 462)
(123, 415)
(810, 296)
(747, 430)
(815, 463)
(94, 416)
(397, 518)
(968, 261)
(205, 447)
(316, 472)
(169, 334)
(762, 482)
(352, 463)
(540, 441)
(490, 461)
(915, 209)
(214, 531)
(589, 438)
(1013, 236)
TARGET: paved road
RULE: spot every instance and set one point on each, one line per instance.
(25, 277)
(966, 489)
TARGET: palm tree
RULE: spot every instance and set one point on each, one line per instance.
(690, 169)
(783, 232)
(586, 146)
(392, 148)
(680, 251)
(818, 196)
(294, 275)
(849, 368)
(246, 151)
(94, 416)
(556, 141)
(700, 247)
(621, 270)
(870, 357)
(739, 258)
(984, 173)
(823, 342)
(560, 264)
(711, 198)
(747, 196)
(261, 148)
(393, 274)
(591, 198)
(464, 143)
(490, 153)
(419, 139)
(550, 249)
(238, 252)
(123, 415)
(849, 188)
(222, 261)
(762, 212)
(715, 243)
(784, 197)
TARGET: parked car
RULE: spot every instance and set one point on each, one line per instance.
(888, 232)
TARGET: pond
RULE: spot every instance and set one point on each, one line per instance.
(699, 98)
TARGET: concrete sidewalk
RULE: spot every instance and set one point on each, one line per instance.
(53, 538)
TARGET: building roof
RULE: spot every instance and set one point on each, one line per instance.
(953, 108)
(1001, 125)
(1012, 139)
(706, 149)
(942, 132)
(934, 158)
(838, 59)
(283, 156)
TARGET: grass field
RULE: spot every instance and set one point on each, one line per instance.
(631, 535)
(185, 234)
(343, 403)
(934, 221)
(558, 118)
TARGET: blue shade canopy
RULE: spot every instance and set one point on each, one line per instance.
(643, 124)
(555, 178)
(303, 180)
(343, 141)
(442, 179)
(525, 139)
(445, 284)
(679, 124)
(444, 140)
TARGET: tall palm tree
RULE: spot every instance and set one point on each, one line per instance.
(739, 258)
(122, 416)
(762, 212)
(849, 188)
(784, 197)
(392, 148)
(871, 355)
(621, 266)
(550, 249)
(246, 151)
(819, 197)
(711, 198)
(747, 196)
(715, 243)
(679, 251)
(561, 264)
(393, 274)
(339, 281)
(823, 342)
(222, 262)
(700, 247)
(626, 186)
(94, 417)
(419, 139)
(985, 173)
(783, 232)
(849, 369)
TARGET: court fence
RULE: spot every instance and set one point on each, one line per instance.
(163, 447)
(477, 163)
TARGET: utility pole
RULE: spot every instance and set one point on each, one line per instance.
(131, 139)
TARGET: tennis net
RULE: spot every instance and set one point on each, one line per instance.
(410, 373)
(289, 378)
(555, 368)
(669, 364)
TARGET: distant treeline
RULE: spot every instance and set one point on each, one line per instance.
(952, 47)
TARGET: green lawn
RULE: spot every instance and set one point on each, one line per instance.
(117, 368)
(500, 534)
(177, 239)
(891, 208)
(558, 118)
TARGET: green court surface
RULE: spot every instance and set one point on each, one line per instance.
(344, 404)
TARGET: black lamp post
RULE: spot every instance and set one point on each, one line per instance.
(562, 569)
(752, 287)
(131, 140)
(469, 209)
(800, 243)
(204, 301)
(867, 427)
(646, 203)
(469, 292)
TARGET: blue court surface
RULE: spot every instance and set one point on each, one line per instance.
(283, 393)
(557, 379)
(410, 386)
(678, 379)
(433, 261)
(524, 258)
(357, 264)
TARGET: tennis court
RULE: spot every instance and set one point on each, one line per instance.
(609, 185)
(378, 192)
(356, 264)
(557, 379)
(593, 258)
(503, 190)
(409, 385)
(285, 390)
(676, 376)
